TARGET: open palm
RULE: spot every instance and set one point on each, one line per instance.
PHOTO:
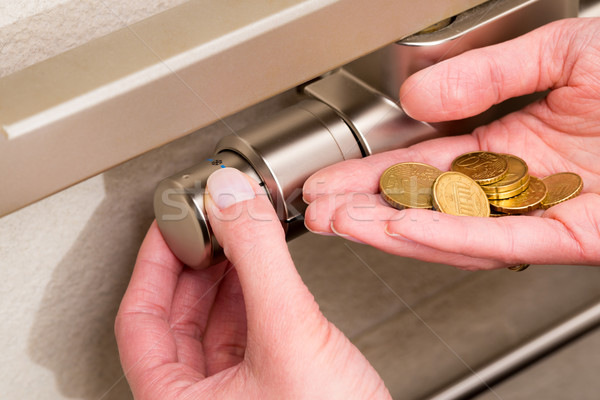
(558, 133)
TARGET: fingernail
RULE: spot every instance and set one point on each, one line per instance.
(407, 112)
(318, 232)
(228, 186)
(395, 235)
(345, 236)
(388, 232)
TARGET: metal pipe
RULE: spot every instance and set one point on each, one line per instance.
(522, 356)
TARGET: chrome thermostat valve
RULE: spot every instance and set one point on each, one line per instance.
(180, 213)
(280, 154)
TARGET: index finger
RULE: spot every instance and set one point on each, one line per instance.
(362, 176)
(142, 323)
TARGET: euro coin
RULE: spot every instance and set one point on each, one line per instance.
(561, 187)
(437, 26)
(457, 194)
(481, 166)
(520, 267)
(512, 193)
(408, 185)
(529, 200)
(515, 182)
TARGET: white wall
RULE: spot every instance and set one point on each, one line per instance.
(34, 30)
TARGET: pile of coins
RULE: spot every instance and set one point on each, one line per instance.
(480, 184)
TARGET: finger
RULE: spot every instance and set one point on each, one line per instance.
(225, 338)
(142, 323)
(366, 222)
(254, 241)
(472, 82)
(320, 214)
(362, 176)
(192, 303)
(511, 239)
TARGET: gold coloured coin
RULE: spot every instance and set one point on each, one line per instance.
(508, 195)
(408, 185)
(437, 26)
(561, 187)
(520, 267)
(482, 166)
(457, 194)
(515, 181)
(527, 201)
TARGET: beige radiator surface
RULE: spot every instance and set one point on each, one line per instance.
(147, 83)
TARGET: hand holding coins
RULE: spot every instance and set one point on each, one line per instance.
(478, 182)
(560, 132)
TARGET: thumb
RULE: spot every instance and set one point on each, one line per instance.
(472, 82)
(247, 227)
